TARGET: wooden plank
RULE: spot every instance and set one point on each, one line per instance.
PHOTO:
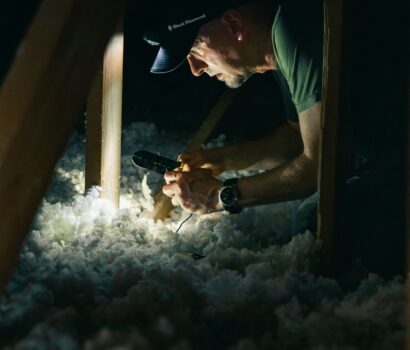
(163, 205)
(40, 100)
(334, 123)
(104, 114)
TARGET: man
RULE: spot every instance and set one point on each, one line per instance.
(231, 41)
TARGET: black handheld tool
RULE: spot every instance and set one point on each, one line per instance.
(154, 162)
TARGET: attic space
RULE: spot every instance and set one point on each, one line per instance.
(90, 275)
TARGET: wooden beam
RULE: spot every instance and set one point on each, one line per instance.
(407, 212)
(104, 112)
(40, 100)
(163, 205)
(334, 124)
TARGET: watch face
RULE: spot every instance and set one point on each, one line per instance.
(228, 196)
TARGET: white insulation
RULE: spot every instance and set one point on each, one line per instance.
(94, 277)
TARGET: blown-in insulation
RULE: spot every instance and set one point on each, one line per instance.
(94, 277)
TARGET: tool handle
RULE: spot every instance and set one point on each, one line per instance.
(154, 162)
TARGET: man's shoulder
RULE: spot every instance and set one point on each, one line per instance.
(297, 22)
(294, 12)
(297, 37)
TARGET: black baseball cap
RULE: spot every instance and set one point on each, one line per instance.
(174, 25)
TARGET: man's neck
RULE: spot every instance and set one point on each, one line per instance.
(266, 56)
(262, 38)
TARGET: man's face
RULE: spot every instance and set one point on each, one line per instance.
(218, 55)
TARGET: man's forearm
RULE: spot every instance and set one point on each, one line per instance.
(266, 153)
(291, 180)
(295, 178)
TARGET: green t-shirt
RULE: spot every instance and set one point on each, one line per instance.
(297, 36)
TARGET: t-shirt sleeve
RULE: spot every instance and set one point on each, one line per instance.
(298, 44)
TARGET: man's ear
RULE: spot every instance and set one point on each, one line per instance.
(235, 21)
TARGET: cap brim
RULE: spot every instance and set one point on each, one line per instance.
(172, 55)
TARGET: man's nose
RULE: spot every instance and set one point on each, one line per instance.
(197, 66)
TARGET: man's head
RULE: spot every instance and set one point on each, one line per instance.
(218, 38)
(220, 51)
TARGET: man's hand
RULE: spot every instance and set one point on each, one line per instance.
(195, 191)
(212, 159)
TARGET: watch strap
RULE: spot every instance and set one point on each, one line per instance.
(231, 182)
(233, 209)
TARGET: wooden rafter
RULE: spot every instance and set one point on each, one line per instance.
(407, 211)
(40, 100)
(104, 112)
(334, 124)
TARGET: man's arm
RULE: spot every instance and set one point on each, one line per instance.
(282, 144)
(198, 192)
(293, 179)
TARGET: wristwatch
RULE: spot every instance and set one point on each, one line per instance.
(229, 196)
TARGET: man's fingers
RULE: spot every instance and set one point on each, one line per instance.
(174, 191)
(191, 160)
(200, 159)
(167, 191)
(172, 176)
(186, 161)
(186, 167)
(175, 201)
(171, 189)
